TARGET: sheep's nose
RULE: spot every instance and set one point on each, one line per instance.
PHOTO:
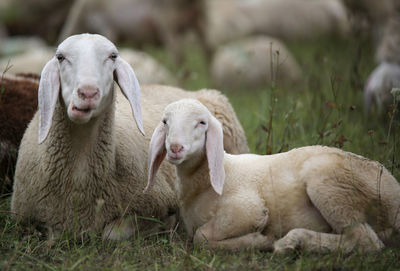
(176, 148)
(88, 92)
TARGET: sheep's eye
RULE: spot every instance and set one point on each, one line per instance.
(202, 122)
(164, 121)
(114, 56)
(60, 57)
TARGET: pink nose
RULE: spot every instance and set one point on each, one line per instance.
(176, 148)
(88, 92)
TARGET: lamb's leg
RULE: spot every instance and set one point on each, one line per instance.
(236, 225)
(361, 236)
(343, 208)
(254, 240)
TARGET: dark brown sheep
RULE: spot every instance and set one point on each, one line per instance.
(18, 103)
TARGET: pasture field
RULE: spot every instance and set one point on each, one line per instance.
(325, 107)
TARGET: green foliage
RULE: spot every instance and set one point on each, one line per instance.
(325, 107)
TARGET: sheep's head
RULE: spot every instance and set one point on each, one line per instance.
(186, 132)
(84, 68)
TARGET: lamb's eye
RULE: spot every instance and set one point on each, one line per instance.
(114, 56)
(202, 122)
(60, 57)
(164, 121)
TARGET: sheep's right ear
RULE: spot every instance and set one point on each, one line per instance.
(157, 154)
(49, 88)
(215, 154)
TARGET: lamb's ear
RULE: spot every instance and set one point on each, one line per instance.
(157, 154)
(215, 154)
(127, 81)
(49, 88)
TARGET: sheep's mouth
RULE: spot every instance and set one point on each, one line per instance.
(80, 113)
(175, 159)
(82, 110)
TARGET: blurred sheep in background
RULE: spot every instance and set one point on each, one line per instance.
(387, 74)
(32, 60)
(138, 22)
(253, 62)
(228, 20)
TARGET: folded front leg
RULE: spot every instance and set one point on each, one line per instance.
(235, 226)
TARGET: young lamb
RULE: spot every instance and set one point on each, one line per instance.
(315, 198)
(82, 161)
(18, 103)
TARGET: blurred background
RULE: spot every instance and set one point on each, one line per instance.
(298, 72)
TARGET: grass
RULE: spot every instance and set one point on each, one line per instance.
(325, 107)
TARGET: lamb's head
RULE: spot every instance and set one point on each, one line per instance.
(84, 68)
(186, 133)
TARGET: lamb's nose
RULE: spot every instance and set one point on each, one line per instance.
(176, 148)
(88, 92)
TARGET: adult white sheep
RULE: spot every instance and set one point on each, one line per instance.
(317, 198)
(82, 161)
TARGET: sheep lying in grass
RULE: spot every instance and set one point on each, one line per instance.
(253, 62)
(315, 198)
(18, 103)
(227, 20)
(82, 161)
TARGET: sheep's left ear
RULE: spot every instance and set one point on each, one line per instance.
(127, 81)
(157, 153)
(49, 89)
(215, 154)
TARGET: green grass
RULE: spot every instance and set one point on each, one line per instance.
(325, 107)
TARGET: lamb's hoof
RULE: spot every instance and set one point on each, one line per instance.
(289, 242)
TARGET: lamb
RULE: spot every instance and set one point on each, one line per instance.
(81, 162)
(18, 103)
(315, 198)
(253, 62)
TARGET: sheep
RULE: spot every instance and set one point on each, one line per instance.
(228, 20)
(315, 198)
(387, 74)
(141, 22)
(379, 85)
(148, 70)
(81, 164)
(253, 62)
(18, 103)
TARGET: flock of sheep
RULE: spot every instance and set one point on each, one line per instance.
(87, 161)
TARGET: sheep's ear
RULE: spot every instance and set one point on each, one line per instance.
(157, 154)
(49, 88)
(215, 154)
(127, 81)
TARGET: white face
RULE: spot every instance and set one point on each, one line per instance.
(186, 124)
(87, 65)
